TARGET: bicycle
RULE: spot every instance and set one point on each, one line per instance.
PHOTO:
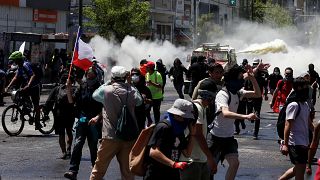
(15, 115)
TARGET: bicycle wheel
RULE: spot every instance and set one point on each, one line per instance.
(46, 122)
(12, 121)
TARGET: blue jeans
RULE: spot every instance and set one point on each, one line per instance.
(83, 131)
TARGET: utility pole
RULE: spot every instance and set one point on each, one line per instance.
(252, 10)
(80, 13)
(194, 22)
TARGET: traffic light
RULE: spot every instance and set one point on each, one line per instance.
(232, 2)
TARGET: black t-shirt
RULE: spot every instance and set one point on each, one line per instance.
(85, 105)
(177, 73)
(273, 80)
(171, 146)
(140, 111)
(198, 72)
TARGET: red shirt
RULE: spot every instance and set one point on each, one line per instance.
(284, 88)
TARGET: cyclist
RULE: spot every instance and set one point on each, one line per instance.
(29, 82)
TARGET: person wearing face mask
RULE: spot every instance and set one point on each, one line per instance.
(143, 111)
(273, 79)
(282, 91)
(89, 124)
(168, 142)
(176, 76)
(314, 82)
(203, 163)
(296, 131)
(254, 104)
(221, 141)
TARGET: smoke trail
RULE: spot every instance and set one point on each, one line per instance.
(299, 52)
(275, 46)
(131, 51)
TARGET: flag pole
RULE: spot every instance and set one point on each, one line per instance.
(74, 50)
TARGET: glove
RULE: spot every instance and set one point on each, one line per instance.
(180, 165)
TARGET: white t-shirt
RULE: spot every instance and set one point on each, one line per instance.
(224, 127)
(299, 132)
(197, 154)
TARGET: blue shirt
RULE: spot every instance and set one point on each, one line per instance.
(25, 72)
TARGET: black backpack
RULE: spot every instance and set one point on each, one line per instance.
(127, 127)
(282, 115)
(229, 101)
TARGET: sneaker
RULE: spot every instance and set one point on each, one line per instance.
(236, 133)
(64, 156)
(255, 137)
(70, 175)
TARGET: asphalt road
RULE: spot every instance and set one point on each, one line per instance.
(34, 156)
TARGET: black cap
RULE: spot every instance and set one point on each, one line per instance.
(209, 85)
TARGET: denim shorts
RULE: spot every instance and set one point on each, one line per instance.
(220, 147)
(298, 154)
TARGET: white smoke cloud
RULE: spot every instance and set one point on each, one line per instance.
(243, 36)
(298, 55)
(131, 51)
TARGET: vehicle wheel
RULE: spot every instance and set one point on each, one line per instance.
(12, 121)
(46, 122)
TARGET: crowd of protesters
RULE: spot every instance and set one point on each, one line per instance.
(194, 135)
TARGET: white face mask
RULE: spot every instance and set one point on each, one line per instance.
(277, 73)
(135, 78)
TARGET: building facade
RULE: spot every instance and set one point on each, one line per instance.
(175, 20)
(28, 20)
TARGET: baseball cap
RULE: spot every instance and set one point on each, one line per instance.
(150, 64)
(256, 61)
(183, 108)
(207, 89)
(118, 72)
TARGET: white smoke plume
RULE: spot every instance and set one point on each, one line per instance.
(275, 46)
(297, 54)
(289, 48)
(131, 51)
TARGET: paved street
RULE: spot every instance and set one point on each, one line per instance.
(32, 155)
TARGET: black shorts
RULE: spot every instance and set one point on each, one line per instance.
(220, 147)
(298, 154)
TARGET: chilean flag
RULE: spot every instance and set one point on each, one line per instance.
(83, 54)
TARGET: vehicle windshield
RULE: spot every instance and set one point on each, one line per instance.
(218, 55)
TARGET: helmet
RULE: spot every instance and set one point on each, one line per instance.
(16, 55)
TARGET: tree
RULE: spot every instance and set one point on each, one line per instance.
(272, 14)
(119, 18)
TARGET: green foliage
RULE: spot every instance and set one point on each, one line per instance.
(271, 14)
(119, 18)
(207, 29)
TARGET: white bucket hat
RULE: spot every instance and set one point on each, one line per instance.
(183, 108)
